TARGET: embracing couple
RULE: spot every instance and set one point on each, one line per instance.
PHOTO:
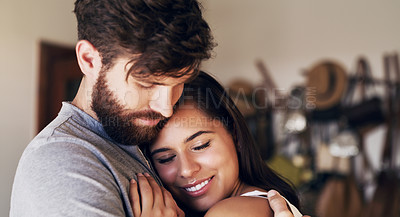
(148, 133)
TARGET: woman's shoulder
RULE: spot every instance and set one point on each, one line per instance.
(241, 206)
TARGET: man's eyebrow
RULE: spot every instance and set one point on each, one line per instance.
(151, 81)
(190, 138)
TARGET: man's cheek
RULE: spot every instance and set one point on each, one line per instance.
(132, 99)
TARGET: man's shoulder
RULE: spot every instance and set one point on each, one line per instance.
(49, 157)
(63, 136)
(50, 147)
(241, 206)
(72, 169)
(69, 143)
(64, 173)
(58, 151)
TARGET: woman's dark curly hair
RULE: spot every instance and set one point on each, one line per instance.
(162, 37)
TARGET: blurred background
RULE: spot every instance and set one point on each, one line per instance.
(295, 68)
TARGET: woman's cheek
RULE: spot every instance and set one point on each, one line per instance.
(168, 173)
(209, 158)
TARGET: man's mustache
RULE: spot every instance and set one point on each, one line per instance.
(151, 115)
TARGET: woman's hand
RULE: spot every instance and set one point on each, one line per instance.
(148, 199)
(279, 205)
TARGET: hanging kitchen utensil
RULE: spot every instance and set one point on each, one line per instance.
(368, 112)
(276, 99)
(386, 199)
(340, 195)
(268, 100)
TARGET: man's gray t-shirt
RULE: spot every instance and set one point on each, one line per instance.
(72, 168)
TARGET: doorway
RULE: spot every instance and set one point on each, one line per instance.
(59, 79)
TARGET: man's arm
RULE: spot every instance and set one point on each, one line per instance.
(64, 179)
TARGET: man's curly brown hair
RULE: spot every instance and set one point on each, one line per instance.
(161, 37)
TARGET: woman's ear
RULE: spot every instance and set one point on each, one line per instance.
(89, 59)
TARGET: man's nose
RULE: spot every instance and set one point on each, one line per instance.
(163, 100)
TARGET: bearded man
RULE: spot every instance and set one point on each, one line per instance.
(135, 56)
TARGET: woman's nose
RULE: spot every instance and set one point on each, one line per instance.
(188, 167)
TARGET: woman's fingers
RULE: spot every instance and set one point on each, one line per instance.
(180, 212)
(153, 200)
(168, 200)
(158, 199)
(278, 204)
(134, 198)
(146, 193)
(170, 204)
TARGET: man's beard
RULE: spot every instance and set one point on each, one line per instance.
(119, 122)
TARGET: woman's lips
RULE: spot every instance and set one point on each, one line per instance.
(197, 189)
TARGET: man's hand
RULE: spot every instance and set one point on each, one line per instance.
(148, 199)
(279, 205)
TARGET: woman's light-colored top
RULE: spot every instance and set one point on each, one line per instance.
(261, 194)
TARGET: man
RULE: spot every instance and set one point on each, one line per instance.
(135, 56)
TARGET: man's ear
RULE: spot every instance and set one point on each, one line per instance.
(89, 59)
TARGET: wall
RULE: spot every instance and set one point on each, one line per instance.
(290, 36)
(287, 35)
(22, 26)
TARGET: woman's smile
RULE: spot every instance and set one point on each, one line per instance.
(198, 188)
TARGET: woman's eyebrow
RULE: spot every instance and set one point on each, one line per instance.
(190, 138)
(158, 151)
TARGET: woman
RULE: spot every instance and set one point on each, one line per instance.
(206, 158)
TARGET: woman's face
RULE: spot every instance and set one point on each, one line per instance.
(196, 159)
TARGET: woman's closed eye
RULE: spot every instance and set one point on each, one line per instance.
(166, 159)
(203, 146)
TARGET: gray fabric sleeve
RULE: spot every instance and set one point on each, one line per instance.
(65, 179)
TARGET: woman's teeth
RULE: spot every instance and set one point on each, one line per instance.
(197, 187)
